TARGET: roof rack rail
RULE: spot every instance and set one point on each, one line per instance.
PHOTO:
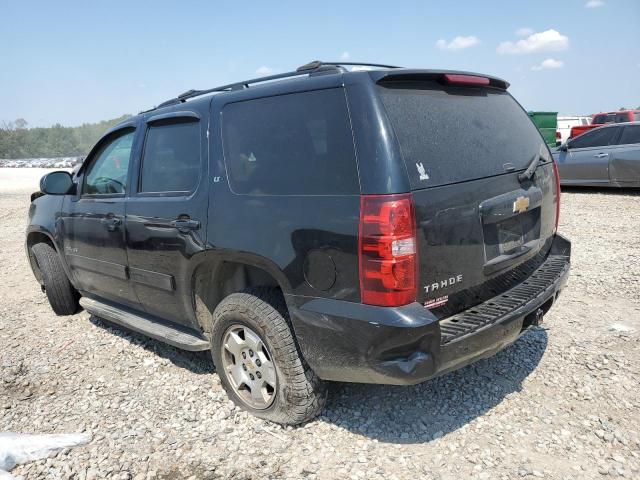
(318, 63)
(311, 67)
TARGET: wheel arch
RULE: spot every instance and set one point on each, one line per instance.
(218, 275)
(35, 236)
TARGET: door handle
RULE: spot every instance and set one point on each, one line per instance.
(601, 155)
(111, 222)
(184, 225)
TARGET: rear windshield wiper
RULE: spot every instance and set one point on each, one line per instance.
(531, 169)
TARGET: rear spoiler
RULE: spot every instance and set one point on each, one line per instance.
(446, 77)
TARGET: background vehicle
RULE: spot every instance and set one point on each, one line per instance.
(621, 116)
(565, 123)
(600, 119)
(326, 227)
(606, 156)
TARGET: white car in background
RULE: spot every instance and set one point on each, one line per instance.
(566, 122)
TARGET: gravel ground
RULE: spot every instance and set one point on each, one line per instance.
(562, 402)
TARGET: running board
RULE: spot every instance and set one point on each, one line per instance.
(151, 328)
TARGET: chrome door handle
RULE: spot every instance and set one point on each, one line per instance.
(111, 222)
(184, 225)
(601, 155)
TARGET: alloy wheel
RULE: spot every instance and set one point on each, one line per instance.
(249, 366)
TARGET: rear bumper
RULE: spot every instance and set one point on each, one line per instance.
(352, 342)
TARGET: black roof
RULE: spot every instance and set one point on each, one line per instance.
(315, 67)
(318, 67)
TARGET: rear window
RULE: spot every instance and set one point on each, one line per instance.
(454, 134)
(630, 134)
(296, 144)
(603, 118)
(622, 117)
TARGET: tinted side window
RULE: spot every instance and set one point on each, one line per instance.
(107, 174)
(599, 119)
(296, 144)
(621, 117)
(171, 159)
(636, 117)
(630, 134)
(595, 138)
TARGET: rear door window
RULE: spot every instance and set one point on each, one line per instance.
(604, 118)
(295, 144)
(454, 134)
(171, 159)
(630, 134)
(621, 117)
(599, 137)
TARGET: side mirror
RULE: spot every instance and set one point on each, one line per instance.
(56, 183)
(564, 147)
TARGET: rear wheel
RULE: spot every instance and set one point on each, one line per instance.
(62, 296)
(258, 361)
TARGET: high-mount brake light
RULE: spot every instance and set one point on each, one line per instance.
(458, 79)
(557, 176)
(387, 250)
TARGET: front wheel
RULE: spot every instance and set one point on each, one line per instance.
(62, 297)
(258, 361)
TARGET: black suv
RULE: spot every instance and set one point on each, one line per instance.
(380, 226)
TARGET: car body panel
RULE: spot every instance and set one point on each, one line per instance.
(585, 165)
(96, 252)
(92, 233)
(624, 165)
(344, 341)
(159, 253)
(314, 235)
(611, 165)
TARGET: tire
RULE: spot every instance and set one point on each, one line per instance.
(62, 296)
(298, 394)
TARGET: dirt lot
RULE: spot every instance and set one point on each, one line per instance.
(560, 403)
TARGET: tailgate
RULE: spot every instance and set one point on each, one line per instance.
(479, 238)
(481, 230)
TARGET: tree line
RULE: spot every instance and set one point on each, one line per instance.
(19, 141)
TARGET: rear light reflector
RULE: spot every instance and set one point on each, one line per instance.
(465, 79)
(557, 175)
(387, 250)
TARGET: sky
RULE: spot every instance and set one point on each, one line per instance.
(72, 62)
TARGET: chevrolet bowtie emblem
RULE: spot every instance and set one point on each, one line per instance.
(521, 204)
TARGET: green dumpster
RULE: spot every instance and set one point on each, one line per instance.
(547, 123)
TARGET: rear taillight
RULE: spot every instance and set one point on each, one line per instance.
(558, 135)
(387, 250)
(557, 175)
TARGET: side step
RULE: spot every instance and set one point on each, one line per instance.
(151, 328)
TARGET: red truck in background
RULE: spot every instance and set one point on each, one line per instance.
(600, 119)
